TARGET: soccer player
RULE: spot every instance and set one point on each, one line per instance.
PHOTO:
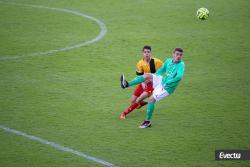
(165, 81)
(147, 64)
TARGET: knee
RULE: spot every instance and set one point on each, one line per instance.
(138, 100)
(133, 99)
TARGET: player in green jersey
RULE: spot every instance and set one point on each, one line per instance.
(165, 81)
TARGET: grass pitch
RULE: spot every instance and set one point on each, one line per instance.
(74, 98)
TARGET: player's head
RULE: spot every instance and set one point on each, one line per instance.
(177, 54)
(146, 52)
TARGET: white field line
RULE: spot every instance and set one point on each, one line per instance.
(57, 146)
(103, 31)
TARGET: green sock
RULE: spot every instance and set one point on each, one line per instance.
(137, 80)
(150, 110)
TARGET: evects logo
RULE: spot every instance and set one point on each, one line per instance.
(230, 156)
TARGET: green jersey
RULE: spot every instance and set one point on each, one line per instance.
(172, 74)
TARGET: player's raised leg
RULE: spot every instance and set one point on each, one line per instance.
(135, 81)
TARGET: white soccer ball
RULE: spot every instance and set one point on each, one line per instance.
(202, 13)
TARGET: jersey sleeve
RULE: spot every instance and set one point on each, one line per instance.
(158, 64)
(139, 68)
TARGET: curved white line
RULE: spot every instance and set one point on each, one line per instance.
(57, 146)
(103, 31)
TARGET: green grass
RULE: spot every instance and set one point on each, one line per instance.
(74, 98)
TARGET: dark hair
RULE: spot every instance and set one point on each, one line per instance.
(179, 50)
(146, 47)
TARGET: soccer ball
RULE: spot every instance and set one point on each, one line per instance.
(202, 13)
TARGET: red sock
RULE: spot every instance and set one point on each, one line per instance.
(131, 108)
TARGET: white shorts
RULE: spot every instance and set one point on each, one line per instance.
(159, 91)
